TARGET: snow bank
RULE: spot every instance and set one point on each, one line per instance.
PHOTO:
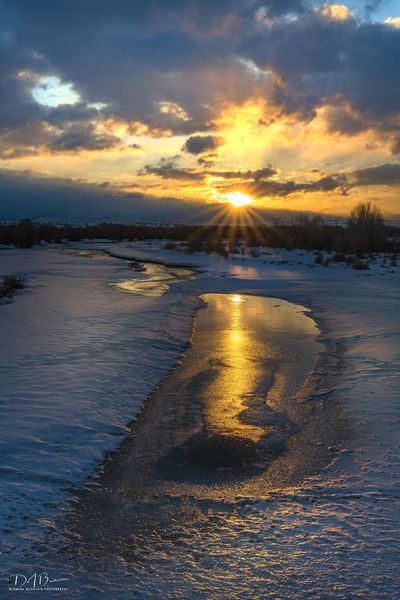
(77, 359)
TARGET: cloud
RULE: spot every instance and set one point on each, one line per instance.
(320, 60)
(258, 183)
(372, 6)
(25, 195)
(256, 174)
(38, 137)
(33, 196)
(385, 174)
(342, 119)
(168, 168)
(143, 55)
(172, 66)
(396, 144)
(393, 21)
(198, 144)
(263, 189)
(338, 12)
(77, 137)
(25, 140)
(284, 7)
(178, 68)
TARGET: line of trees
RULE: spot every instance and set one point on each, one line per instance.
(364, 232)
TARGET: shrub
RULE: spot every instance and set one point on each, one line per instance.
(319, 259)
(367, 227)
(364, 232)
(170, 246)
(218, 247)
(339, 257)
(359, 265)
(26, 234)
(365, 215)
(9, 284)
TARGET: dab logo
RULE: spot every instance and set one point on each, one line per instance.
(36, 582)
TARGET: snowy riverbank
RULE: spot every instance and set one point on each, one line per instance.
(78, 357)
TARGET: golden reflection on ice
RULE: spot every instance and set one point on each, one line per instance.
(244, 344)
(154, 281)
(227, 392)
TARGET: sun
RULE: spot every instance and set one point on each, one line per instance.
(238, 199)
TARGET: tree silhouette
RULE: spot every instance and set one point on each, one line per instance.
(365, 215)
(366, 224)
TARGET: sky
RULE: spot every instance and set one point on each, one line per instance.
(163, 110)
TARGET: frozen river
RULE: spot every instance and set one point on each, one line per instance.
(78, 358)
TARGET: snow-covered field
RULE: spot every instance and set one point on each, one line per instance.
(79, 356)
(77, 359)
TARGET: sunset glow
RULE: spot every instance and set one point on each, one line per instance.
(247, 126)
(238, 199)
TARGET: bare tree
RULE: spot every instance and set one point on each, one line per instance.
(367, 225)
(365, 216)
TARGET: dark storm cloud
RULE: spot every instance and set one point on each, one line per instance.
(198, 144)
(26, 195)
(16, 104)
(70, 113)
(130, 55)
(341, 120)
(32, 134)
(37, 137)
(386, 174)
(323, 60)
(78, 137)
(134, 55)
